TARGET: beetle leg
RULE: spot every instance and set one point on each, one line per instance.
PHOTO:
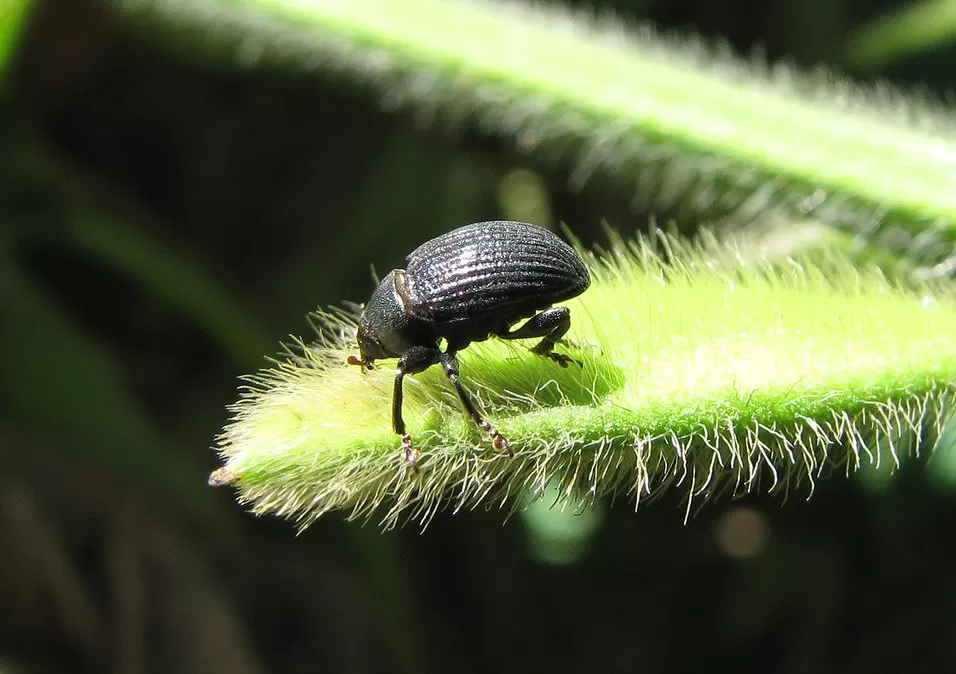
(450, 364)
(416, 359)
(409, 453)
(552, 324)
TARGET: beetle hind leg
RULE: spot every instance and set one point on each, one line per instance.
(551, 324)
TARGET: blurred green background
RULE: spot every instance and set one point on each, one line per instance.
(168, 215)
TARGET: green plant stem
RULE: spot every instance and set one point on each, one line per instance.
(677, 117)
(65, 384)
(174, 280)
(13, 15)
(914, 27)
(704, 374)
(114, 230)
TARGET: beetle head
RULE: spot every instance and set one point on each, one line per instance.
(370, 348)
(387, 327)
(383, 324)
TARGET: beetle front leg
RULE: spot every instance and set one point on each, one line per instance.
(409, 453)
(450, 364)
(415, 359)
(552, 324)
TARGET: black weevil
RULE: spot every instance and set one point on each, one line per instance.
(465, 286)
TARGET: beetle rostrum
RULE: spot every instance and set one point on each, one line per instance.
(465, 286)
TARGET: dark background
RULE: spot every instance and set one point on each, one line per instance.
(168, 216)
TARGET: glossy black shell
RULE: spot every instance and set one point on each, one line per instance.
(481, 278)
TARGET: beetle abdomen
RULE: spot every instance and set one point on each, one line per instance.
(492, 272)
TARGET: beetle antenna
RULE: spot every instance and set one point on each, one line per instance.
(364, 364)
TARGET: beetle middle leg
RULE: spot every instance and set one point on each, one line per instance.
(450, 364)
(414, 360)
(552, 324)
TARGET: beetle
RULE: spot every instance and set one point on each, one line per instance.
(465, 286)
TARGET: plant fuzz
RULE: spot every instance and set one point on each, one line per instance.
(701, 371)
(676, 120)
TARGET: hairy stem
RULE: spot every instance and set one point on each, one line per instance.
(676, 120)
(704, 374)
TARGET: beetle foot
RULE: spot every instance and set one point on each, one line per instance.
(563, 360)
(497, 439)
(558, 358)
(410, 455)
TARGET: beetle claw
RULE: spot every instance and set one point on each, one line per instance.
(546, 350)
(562, 359)
(410, 455)
(497, 439)
(502, 444)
